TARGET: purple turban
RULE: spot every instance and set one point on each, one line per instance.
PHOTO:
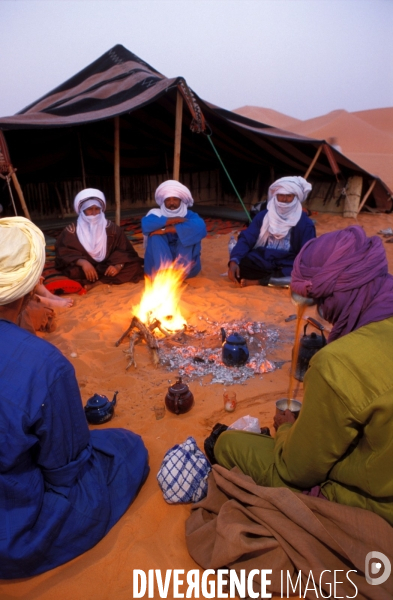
(346, 272)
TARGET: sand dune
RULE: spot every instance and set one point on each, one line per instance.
(366, 137)
(381, 118)
(268, 116)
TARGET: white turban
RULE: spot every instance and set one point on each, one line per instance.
(290, 185)
(91, 230)
(22, 258)
(173, 189)
(82, 199)
(281, 217)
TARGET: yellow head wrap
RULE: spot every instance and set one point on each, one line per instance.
(22, 258)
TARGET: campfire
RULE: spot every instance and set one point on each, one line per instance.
(160, 300)
(193, 351)
(157, 312)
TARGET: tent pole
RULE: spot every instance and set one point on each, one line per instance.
(20, 193)
(366, 195)
(178, 124)
(117, 170)
(314, 160)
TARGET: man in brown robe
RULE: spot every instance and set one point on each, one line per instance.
(95, 250)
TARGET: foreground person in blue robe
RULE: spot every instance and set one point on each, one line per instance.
(173, 233)
(62, 487)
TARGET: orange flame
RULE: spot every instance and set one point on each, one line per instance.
(161, 298)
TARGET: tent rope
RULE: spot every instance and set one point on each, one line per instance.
(227, 174)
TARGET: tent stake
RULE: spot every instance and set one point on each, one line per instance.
(178, 124)
(314, 160)
(117, 170)
(366, 195)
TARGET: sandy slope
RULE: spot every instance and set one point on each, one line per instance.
(366, 137)
(151, 533)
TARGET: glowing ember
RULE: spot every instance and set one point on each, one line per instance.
(161, 298)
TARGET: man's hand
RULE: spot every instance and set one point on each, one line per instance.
(113, 270)
(174, 221)
(88, 269)
(164, 230)
(283, 417)
(234, 272)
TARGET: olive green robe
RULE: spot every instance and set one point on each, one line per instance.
(343, 438)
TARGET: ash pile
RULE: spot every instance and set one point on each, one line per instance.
(196, 352)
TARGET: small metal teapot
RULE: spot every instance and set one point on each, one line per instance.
(99, 409)
(308, 346)
(179, 398)
(234, 349)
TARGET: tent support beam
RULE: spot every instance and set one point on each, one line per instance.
(366, 195)
(178, 126)
(117, 169)
(20, 194)
(314, 160)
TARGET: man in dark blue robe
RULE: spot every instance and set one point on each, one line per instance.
(62, 487)
(270, 244)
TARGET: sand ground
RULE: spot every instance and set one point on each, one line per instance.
(151, 533)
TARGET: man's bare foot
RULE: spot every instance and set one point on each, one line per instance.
(247, 282)
(55, 302)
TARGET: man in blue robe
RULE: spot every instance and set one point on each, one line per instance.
(173, 233)
(270, 244)
(62, 487)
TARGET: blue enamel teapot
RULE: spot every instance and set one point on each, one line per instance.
(234, 349)
(99, 409)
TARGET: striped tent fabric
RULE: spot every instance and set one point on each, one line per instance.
(46, 138)
(116, 83)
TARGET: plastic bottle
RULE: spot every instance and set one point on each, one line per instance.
(231, 244)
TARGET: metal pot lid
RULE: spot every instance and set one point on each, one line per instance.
(179, 387)
(235, 338)
(97, 401)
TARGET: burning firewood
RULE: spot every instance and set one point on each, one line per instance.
(130, 351)
(127, 332)
(150, 340)
(143, 332)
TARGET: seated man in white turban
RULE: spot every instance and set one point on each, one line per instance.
(62, 487)
(270, 244)
(95, 249)
(173, 232)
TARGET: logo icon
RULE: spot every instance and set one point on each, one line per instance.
(373, 566)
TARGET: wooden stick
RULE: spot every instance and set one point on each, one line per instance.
(130, 351)
(117, 169)
(314, 160)
(20, 193)
(366, 195)
(150, 340)
(132, 325)
(178, 125)
(149, 337)
(154, 324)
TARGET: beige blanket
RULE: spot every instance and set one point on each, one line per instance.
(241, 525)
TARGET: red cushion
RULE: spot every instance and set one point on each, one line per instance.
(68, 286)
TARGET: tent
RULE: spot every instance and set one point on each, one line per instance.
(121, 126)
